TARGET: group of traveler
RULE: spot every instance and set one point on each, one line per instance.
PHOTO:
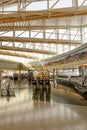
(38, 74)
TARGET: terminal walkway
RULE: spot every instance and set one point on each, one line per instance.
(62, 111)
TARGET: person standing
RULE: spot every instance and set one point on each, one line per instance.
(35, 75)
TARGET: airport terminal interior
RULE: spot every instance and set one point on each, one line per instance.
(43, 64)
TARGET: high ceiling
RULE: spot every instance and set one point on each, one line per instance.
(31, 30)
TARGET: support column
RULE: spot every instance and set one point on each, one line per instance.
(57, 72)
(82, 73)
(53, 77)
(0, 79)
(19, 75)
(57, 76)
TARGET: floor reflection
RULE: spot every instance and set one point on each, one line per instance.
(41, 94)
(8, 98)
(32, 109)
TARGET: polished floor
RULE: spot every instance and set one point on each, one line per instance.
(30, 109)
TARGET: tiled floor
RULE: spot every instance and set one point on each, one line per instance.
(23, 113)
